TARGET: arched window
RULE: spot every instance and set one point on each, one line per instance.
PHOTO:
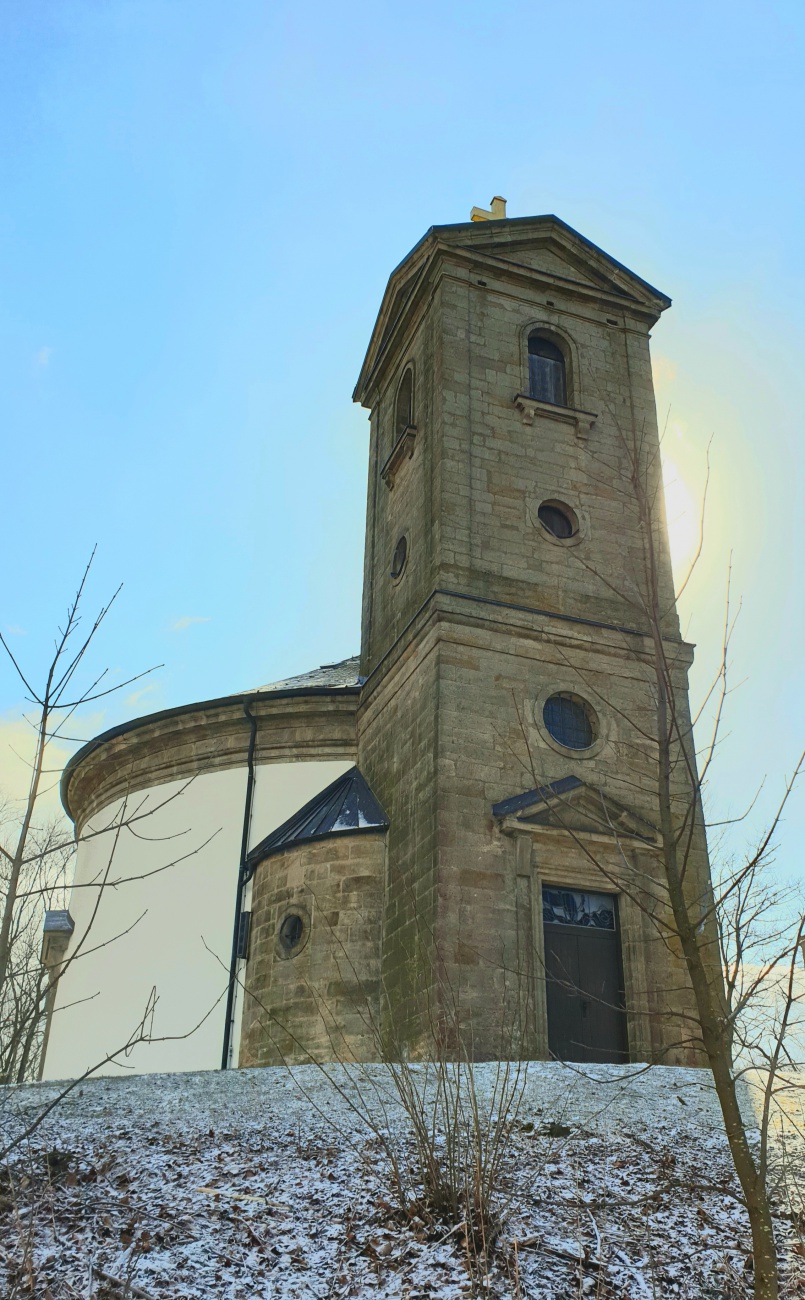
(546, 371)
(404, 406)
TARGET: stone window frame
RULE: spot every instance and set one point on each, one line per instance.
(567, 345)
(407, 368)
(562, 685)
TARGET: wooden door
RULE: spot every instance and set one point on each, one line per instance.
(586, 1009)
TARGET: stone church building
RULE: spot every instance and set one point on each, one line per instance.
(450, 836)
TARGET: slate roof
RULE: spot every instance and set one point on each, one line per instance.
(541, 794)
(344, 673)
(58, 922)
(346, 807)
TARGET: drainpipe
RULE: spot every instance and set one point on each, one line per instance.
(229, 1024)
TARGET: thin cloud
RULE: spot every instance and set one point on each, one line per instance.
(42, 358)
(14, 630)
(17, 742)
(187, 621)
(136, 696)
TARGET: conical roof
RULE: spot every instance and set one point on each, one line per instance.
(345, 807)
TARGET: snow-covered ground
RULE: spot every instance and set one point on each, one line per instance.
(273, 1183)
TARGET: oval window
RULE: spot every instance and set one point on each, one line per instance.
(400, 557)
(291, 931)
(570, 720)
(558, 519)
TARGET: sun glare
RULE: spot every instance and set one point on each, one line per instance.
(683, 518)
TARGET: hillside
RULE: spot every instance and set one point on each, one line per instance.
(276, 1183)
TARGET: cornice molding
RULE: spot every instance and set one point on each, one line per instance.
(180, 744)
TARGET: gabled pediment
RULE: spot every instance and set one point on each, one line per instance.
(395, 306)
(572, 805)
(549, 245)
(533, 246)
(556, 260)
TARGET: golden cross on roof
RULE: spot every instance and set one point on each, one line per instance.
(496, 213)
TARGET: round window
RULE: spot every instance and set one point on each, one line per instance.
(400, 557)
(291, 931)
(570, 720)
(558, 519)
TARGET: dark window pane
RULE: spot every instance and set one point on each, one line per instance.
(546, 371)
(400, 556)
(291, 932)
(556, 521)
(404, 409)
(540, 347)
(546, 380)
(569, 721)
(244, 930)
(574, 907)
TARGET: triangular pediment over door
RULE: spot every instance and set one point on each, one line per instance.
(573, 805)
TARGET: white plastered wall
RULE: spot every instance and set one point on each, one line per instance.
(170, 930)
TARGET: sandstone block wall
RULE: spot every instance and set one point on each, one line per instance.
(321, 1002)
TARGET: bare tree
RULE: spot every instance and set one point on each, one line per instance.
(28, 982)
(739, 944)
(37, 850)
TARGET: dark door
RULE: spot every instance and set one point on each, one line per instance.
(586, 1015)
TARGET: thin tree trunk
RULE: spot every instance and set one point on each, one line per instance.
(17, 861)
(712, 1010)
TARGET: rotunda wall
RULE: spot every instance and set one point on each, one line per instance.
(154, 903)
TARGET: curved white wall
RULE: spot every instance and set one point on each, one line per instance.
(104, 992)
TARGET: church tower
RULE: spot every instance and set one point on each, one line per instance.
(506, 697)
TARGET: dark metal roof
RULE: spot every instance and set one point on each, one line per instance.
(58, 922)
(347, 807)
(333, 676)
(541, 794)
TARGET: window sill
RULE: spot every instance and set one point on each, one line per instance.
(531, 407)
(402, 450)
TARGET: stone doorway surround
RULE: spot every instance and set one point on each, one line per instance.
(573, 835)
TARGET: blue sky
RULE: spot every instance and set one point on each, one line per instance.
(201, 203)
